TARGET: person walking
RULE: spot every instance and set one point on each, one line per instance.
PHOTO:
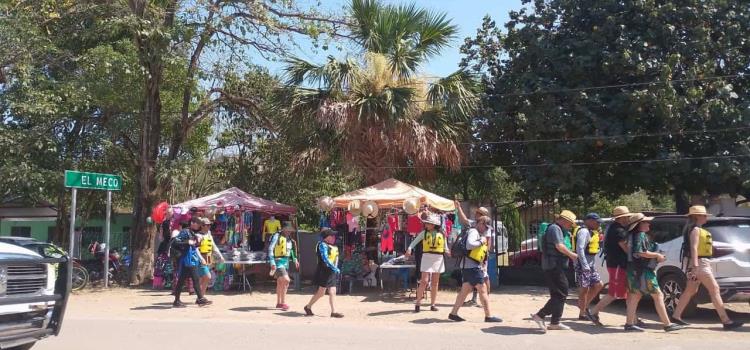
(697, 249)
(189, 262)
(281, 251)
(644, 256)
(555, 257)
(490, 234)
(615, 255)
(208, 250)
(472, 272)
(587, 246)
(434, 246)
(326, 273)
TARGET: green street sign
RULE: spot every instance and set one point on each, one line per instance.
(92, 181)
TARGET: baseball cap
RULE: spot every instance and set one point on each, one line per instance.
(592, 216)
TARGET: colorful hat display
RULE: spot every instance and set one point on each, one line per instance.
(370, 209)
(355, 207)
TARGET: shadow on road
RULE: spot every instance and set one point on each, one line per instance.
(152, 307)
(291, 314)
(251, 308)
(501, 330)
(431, 321)
(390, 312)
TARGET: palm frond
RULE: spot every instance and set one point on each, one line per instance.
(455, 94)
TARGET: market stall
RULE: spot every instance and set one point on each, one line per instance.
(241, 224)
(375, 224)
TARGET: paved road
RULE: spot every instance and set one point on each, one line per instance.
(143, 320)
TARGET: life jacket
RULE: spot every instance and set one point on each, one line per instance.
(705, 243)
(281, 249)
(333, 253)
(478, 254)
(207, 245)
(433, 243)
(594, 245)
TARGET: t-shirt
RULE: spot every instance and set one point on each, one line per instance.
(552, 258)
(393, 223)
(642, 244)
(414, 224)
(352, 221)
(585, 260)
(473, 240)
(616, 257)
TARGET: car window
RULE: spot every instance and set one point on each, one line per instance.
(665, 231)
(47, 250)
(734, 232)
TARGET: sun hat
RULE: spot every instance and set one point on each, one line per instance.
(325, 203)
(698, 210)
(592, 216)
(354, 207)
(620, 211)
(196, 220)
(411, 205)
(636, 219)
(568, 216)
(205, 221)
(483, 211)
(431, 219)
(370, 209)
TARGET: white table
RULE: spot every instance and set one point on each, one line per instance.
(244, 263)
(392, 267)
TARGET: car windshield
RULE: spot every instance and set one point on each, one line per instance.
(46, 250)
(733, 232)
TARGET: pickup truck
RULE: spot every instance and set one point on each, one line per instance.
(33, 294)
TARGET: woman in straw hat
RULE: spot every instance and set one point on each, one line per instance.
(697, 250)
(281, 253)
(434, 246)
(642, 280)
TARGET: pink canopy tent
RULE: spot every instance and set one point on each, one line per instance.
(234, 196)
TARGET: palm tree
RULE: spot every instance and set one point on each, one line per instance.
(376, 112)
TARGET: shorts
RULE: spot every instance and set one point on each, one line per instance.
(587, 278)
(703, 272)
(618, 283)
(281, 272)
(642, 281)
(204, 270)
(325, 278)
(473, 276)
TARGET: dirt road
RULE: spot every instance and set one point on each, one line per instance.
(144, 319)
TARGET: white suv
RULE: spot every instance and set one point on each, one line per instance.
(730, 262)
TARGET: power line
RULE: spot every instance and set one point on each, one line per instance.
(635, 161)
(607, 137)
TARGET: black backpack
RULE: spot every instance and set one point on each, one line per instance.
(458, 249)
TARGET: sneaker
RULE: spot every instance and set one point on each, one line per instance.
(456, 318)
(416, 308)
(493, 319)
(582, 318)
(284, 307)
(679, 321)
(539, 322)
(204, 302)
(433, 308)
(594, 318)
(278, 306)
(640, 323)
(178, 304)
(308, 311)
(558, 327)
(633, 328)
(337, 315)
(673, 327)
(732, 325)
(470, 303)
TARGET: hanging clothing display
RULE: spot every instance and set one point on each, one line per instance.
(352, 221)
(387, 240)
(414, 225)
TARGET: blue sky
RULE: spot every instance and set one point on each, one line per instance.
(466, 14)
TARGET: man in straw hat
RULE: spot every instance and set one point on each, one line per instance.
(489, 234)
(615, 254)
(555, 260)
(327, 272)
(697, 250)
(280, 253)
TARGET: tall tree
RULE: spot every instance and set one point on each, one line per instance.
(376, 112)
(677, 69)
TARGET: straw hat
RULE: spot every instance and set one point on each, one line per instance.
(620, 211)
(483, 211)
(568, 216)
(636, 219)
(370, 209)
(325, 203)
(698, 210)
(411, 205)
(432, 219)
(355, 207)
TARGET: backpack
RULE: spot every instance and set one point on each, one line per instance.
(458, 249)
(543, 230)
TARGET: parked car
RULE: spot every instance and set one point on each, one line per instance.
(32, 296)
(730, 262)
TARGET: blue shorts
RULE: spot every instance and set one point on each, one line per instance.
(473, 276)
(204, 270)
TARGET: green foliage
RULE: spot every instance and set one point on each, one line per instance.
(535, 75)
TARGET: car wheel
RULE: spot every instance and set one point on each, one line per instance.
(23, 347)
(672, 286)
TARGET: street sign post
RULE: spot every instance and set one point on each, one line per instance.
(91, 181)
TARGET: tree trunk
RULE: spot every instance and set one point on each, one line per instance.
(682, 204)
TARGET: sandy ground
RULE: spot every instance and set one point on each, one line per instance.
(144, 319)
